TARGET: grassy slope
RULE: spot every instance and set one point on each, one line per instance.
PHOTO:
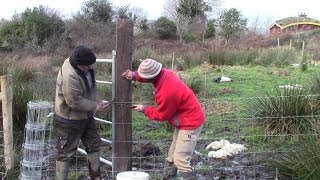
(248, 82)
(233, 120)
(251, 81)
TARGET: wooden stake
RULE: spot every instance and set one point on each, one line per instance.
(122, 120)
(6, 97)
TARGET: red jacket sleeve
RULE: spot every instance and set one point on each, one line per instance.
(138, 78)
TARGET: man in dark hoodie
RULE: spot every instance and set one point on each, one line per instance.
(75, 105)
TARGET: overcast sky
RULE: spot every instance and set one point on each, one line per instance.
(271, 9)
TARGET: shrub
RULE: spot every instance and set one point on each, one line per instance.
(217, 58)
(190, 38)
(211, 31)
(97, 11)
(304, 66)
(285, 111)
(195, 84)
(165, 29)
(315, 84)
(33, 26)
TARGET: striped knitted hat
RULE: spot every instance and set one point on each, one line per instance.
(149, 68)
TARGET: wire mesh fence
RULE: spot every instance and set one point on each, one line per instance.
(2, 158)
(264, 133)
(236, 120)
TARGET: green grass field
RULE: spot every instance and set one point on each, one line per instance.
(228, 105)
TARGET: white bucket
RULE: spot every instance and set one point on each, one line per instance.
(133, 175)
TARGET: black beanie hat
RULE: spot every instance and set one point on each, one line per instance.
(82, 55)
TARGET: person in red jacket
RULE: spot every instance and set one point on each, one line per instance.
(178, 104)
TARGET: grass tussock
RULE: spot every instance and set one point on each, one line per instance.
(286, 111)
(300, 162)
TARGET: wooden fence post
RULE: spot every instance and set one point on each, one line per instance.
(6, 98)
(290, 43)
(302, 51)
(122, 120)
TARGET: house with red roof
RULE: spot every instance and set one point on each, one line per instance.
(292, 25)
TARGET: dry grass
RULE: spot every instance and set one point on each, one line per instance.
(33, 63)
(217, 108)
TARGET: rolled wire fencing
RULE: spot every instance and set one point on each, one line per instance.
(37, 147)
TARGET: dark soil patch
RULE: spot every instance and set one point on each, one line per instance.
(241, 166)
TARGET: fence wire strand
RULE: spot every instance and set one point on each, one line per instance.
(231, 119)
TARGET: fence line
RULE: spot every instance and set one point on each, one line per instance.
(223, 122)
(6, 95)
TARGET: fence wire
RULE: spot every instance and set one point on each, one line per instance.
(2, 158)
(237, 120)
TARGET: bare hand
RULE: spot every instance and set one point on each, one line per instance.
(105, 104)
(139, 108)
(101, 105)
(127, 74)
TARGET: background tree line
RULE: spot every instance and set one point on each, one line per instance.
(43, 30)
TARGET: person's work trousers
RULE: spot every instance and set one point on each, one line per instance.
(69, 134)
(182, 147)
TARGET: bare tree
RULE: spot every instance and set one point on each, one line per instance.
(214, 6)
(139, 17)
(136, 14)
(170, 7)
(259, 26)
(182, 22)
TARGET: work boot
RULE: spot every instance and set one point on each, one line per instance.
(188, 175)
(62, 170)
(169, 171)
(94, 165)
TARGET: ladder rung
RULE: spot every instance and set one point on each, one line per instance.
(101, 159)
(102, 120)
(104, 60)
(106, 140)
(104, 82)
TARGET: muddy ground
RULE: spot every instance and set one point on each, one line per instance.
(148, 157)
(241, 166)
